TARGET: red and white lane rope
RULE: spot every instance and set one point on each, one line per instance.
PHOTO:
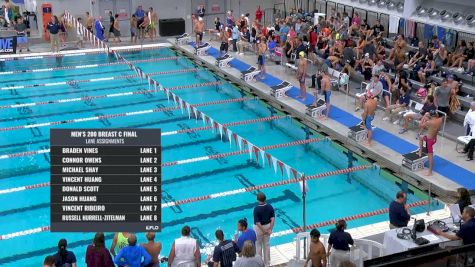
(124, 114)
(245, 122)
(275, 234)
(139, 92)
(263, 186)
(86, 66)
(348, 218)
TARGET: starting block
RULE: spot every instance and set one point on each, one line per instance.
(279, 90)
(316, 111)
(224, 61)
(249, 74)
(203, 49)
(413, 162)
(358, 133)
(182, 39)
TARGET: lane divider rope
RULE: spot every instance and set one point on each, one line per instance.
(124, 114)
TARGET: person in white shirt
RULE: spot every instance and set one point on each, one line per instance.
(373, 89)
(469, 120)
(185, 251)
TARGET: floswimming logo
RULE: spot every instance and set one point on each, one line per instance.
(8, 45)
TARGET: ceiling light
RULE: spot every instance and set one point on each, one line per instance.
(433, 12)
(363, 1)
(373, 2)
(445, 15)
(391, 5)
(382, 3)
(421, 10)
(400, 7)
(470, 20)
(458, 18)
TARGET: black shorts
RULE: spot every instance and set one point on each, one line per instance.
(200, 35)
(224, 46)
(444, 109)
(139, 22)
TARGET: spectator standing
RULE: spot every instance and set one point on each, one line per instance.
(467, 230)
(340, 242)
(185, 251)
(132, 255)
(317, 253)
(53, 27)
(470, 147)
(140, 14)
(153, 249)
(99, 29)
(433, 125)
(246, 234)
(264, 217)
(97, 255)
(22, 36)
(235, 36)
(111, 25)
(469, 120)
(225, 252)
(259, 13)
(464, 199)
(64, 257)
(399, 214)
(120, 240)
(248, 257)
(442, 96)
(133, 29)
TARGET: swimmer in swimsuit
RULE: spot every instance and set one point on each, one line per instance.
(368, 116)
(433, 126)
(326, 90)
(317, 253)
(261, 51)
(199, 28)
(301, 73)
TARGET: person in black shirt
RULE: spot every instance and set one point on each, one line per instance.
(377, 30)
(264, 217)
(340, 241)
(467, 230)
(64, 257)
(398, 211)
(53, 28)
(225, 252)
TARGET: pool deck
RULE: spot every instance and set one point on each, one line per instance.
(384, 156)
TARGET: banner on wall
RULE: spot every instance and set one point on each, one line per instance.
(8, 45)
(123, 13)
(215, 8)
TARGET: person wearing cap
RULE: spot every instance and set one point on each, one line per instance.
(261, 56)
(301, 75)
(199, 28)
(433, 125)
(339, 244)
(442, 95)
(64, 257)
(369, 110)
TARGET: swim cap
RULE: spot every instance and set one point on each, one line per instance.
(302, 54)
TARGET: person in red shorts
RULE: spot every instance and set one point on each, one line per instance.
(433, 126)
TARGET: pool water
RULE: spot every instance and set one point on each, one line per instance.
(328, 198)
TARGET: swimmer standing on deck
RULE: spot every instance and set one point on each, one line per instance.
(301, 75)
(433, 126)
(199, 28)
(368, 116)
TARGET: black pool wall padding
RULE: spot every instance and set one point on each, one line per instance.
(171, 27)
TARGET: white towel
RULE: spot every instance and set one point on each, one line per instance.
(393, 24)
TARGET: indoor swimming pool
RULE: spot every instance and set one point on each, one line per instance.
(95, 91)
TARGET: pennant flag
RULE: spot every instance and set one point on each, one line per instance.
(167, 92)
(211, 122)
(220, 130)
(149, 83)
(235, 138)
(155, 86)
(263, 156)
(281, 165)
(175, 99)
(239, 141)
(188, 110)
(269, 161)
(249, 147)
(230, 134)
(182, 105)
(256, 153)
(207, 120)
(274, 164)
(194, 112)
(294, 171)
(287, 170)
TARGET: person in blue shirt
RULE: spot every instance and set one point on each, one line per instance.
(467, 230)
(132, 255)
(246, 234)
(140, 15)
(339, 244)
(401, 104)
(398, 211)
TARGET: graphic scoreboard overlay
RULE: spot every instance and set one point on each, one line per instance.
(105, 180)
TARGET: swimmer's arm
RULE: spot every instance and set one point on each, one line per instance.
(171, 256)
(114, 242)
